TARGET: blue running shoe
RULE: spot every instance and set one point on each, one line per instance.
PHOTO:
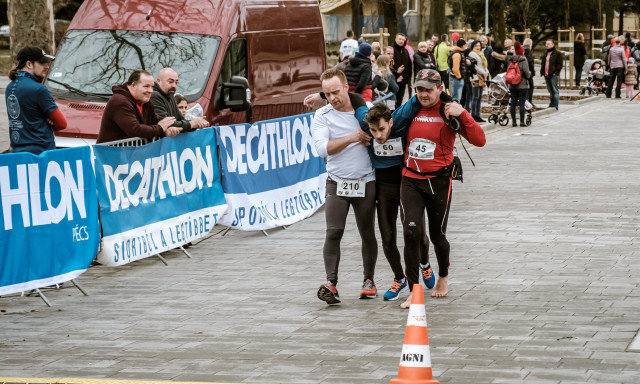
(428, 278)
(396, 289)
(329, 293)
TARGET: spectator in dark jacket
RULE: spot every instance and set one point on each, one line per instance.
(528, 54)
(519, 91)
(550, 69)
(165, 104)
(424, 59)
(129, 112)
(579, 54)
(358, 72)
(497, 60)
(402, 65)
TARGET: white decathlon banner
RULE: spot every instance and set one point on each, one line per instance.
(271, 173)
(157, 197)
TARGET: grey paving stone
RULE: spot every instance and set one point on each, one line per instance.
(543, 285)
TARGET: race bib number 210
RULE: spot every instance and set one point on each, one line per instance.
(350, 187)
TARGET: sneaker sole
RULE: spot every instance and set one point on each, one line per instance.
(406, 288)
(363, 296)
(327, 296)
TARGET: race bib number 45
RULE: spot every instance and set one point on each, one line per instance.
(350, 187)
(392, 147)
(422, 149)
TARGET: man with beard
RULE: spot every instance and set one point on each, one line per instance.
(33, 115)
(164, 101)
(130, 114)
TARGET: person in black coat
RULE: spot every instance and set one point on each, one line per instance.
(579, 54)
(528, 54)
(402, 65)
(358, 72)
(424, 59)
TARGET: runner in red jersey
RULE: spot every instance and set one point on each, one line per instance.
(426, 180)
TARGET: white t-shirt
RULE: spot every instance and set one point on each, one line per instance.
(347, 46)
(353, 162)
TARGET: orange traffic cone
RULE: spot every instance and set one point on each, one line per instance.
(415, 360)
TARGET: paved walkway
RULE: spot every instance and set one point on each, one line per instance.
(544, 285)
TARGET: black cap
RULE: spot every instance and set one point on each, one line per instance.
(31, 53)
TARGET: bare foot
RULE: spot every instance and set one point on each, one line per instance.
(441, 288)
(407, 303)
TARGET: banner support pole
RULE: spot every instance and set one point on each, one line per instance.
(77, 285)
(42, 296)
(162, 259)
(185, 251)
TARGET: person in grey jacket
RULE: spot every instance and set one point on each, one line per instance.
(520, 91)
(164, 102)
(617, 62)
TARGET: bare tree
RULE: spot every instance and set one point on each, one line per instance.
(31, 23)
(528, 11)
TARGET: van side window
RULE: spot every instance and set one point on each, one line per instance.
(235, 61)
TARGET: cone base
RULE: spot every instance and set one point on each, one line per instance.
(413, 381)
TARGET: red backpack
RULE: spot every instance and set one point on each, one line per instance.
(513, 76)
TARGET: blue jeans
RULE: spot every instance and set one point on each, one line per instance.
(554, 93)
(476, 101)
(456, 87)
(578, 75)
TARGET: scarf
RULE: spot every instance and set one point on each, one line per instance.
(484, 59)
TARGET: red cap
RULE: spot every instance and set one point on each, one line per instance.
(519, 48)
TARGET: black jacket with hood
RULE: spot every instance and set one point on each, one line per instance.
(358, 73)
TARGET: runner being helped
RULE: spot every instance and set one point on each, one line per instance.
(387, 154)
(427, 174)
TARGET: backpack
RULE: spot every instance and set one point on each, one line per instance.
(471, 69)
(463, 64)
(513, 76)
(604, 54)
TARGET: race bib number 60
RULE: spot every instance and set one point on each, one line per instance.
(420, 148)
(350, 187)
(392, 147)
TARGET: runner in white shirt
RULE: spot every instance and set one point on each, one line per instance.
(351, 182)
(347, 46)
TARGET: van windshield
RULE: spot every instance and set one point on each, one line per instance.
(95, 60)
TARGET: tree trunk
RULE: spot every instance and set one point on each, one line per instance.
(356, 12)
(390, 19)
(621, 22)
(499, 30)
(31, 23)
(609, 19)
(422, 30)
(437, 20)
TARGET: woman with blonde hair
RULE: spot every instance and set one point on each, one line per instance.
(384, 71)
(528, 54)
(579, 54)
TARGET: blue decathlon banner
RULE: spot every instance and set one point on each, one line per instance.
(49, 230)
(158, 196)
(271, 173)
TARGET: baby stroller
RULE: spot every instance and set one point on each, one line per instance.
(499, 97)
(597, 77)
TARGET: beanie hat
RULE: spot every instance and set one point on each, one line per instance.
(365, 49)
(519, 48)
